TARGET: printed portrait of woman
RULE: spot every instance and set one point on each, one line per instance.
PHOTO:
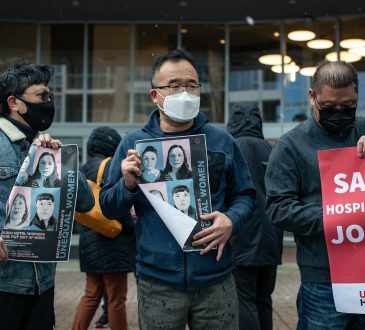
(26, 169)
(18, 215)
(44, 219)
(150, 173)
(45, 174)
(182, 200)
(157, 194)
(177, 167)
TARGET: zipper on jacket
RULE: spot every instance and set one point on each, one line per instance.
(185, 271)
(36, 278)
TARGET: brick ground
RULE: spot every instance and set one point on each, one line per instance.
(70, 284)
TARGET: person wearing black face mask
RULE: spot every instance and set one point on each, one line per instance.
(337, 119)
(39, 116)
(27, 288)
(293, 187)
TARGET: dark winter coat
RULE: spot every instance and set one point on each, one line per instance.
(100, 254)
(232, 192)
(260, 242)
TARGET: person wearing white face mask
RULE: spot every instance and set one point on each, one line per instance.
(172, 277)
(182, 106)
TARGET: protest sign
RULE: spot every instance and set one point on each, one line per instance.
(41, 205)
(175, 180)
(343, 195)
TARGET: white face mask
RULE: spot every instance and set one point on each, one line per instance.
(181, 107)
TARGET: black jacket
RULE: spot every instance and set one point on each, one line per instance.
(100, 254)
(259, 243)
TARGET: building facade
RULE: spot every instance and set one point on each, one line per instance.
(102, 69)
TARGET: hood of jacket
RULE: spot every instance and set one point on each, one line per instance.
(153, 125)
(245, 121)
(104, 141)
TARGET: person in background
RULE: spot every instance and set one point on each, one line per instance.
(294, 194)
(176, 288)
(106, 261)
(257, 249)
(103, 320)
(27, 288)
(299, 117)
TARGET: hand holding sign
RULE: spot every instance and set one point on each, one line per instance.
(3, 250)
(216, 235)
(130, 168)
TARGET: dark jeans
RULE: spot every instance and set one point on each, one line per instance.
(254, 288)
(27, 312)
(104, 317)
(316, 310)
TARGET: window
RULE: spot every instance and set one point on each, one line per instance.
(297, 83)
(206, 43)
(151, 41)
(252, 82)
(108, 73)
(62, 47)
(17, 44)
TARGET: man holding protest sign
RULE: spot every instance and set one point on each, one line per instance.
(294, 196)
(175, 287)
(27, 288)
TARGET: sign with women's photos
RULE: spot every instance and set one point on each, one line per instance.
(41, 205)
(175, 180)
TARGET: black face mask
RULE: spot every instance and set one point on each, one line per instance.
(336, 120)
(39, 116)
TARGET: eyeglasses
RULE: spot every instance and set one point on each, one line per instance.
(322, 107)
(45, 95)
(175, 89)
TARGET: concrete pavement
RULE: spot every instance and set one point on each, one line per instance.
(70, 284)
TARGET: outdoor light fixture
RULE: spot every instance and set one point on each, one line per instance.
(184, 30)
(288, 68)
(357, 51)
(308, 71)
(222, 41)
(301, 35)
(274, 59)
(344, 56)
(352, 43)
(320, 44)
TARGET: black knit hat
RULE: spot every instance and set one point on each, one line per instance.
(103, 140)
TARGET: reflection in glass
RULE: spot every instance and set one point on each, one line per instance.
(296, 84)
(17, 43)
(151, 41)
(206, 43)
(65, 54)
(251, 82)
(108, 73)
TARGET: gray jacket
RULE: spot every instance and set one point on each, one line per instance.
(294, 194)
(26, 277)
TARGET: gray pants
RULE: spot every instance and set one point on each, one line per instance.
(161, 307)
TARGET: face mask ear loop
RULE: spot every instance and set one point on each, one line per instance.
(158, 106)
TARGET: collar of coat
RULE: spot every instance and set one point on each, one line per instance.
(13, 133)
